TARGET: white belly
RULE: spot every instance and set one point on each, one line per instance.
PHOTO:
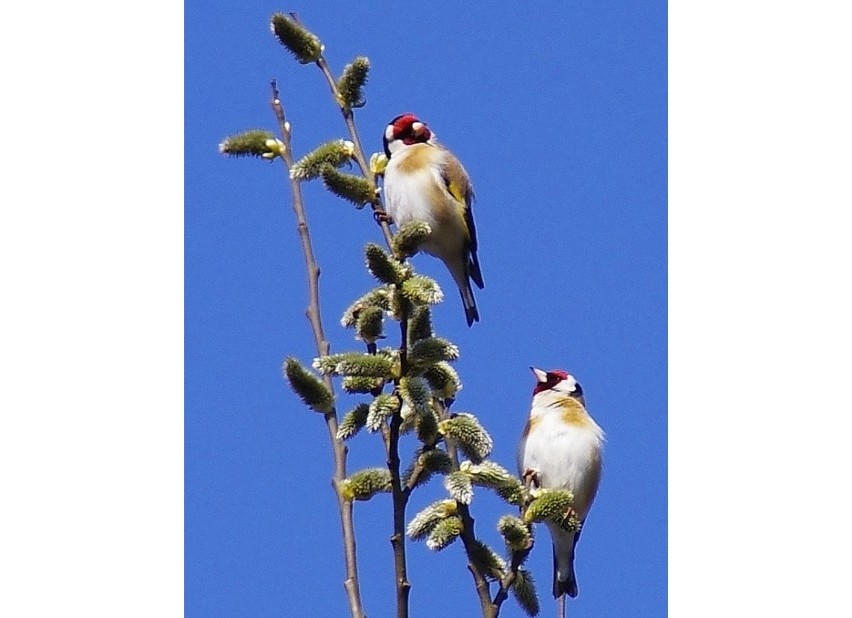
(407, 197)
(565, 457)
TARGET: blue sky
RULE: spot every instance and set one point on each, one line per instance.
(112, 460)
(559, 115)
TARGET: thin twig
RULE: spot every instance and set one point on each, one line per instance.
(360, 157)
(351, 583)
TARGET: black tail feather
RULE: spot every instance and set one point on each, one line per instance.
(471, 314)
(474, 271)
(470, 310)
(568, 586)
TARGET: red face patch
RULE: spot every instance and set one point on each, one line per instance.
(403, 130)
(553, 378)
(403, 123)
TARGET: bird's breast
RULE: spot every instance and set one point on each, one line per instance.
(565, 456)
(417, 193)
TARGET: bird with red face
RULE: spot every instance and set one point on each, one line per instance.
(424, 181)
(561, 447)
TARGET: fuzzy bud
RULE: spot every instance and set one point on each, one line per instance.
(383, 267)
(365, 484)
(416, 393)
(489, 561)
(495, 477)
(355, 189)
(444, 380)
(354, 364)
(423, 523)
(525, 593)
(399, 304)
(553, 505)
(429, 352)
(276, 149)
(378, 163)
(303, 44)
(391, 355)
(369, 325)
(419, 324)
(431, 461)
(435, 461)
(427, 426)
(515, 532)
(444, 533)
(381, 409)
(377, 297)
(350, 86)
(308, 387)
(253, 143)
(358, 384)
(331, 154)
(459, 486)
(410, 236)
(422, 290)
(470, 436)
(353, 421)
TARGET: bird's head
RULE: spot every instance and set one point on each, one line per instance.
(405, 130)
(557, 381)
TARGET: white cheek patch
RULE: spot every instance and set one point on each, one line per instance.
(568, 385)
(395, 146)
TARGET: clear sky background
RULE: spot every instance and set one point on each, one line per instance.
(151, 288)
(559, 115)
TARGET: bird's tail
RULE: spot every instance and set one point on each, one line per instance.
(469, 302)
(474, 271)
(564, 586)
(461, 276)
(564, 578)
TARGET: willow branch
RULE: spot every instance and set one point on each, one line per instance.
(400, 495)
(468, 535)
(339, 449)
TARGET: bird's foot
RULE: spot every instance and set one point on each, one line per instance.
(381, 216)
(530, 478)
(570, 520)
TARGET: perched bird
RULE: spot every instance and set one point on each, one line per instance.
(425, 181)
(561, 448)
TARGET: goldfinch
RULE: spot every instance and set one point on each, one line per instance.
(425, 181)
(561, 447)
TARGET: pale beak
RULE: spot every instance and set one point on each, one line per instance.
(417, 128)
(540, 375)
